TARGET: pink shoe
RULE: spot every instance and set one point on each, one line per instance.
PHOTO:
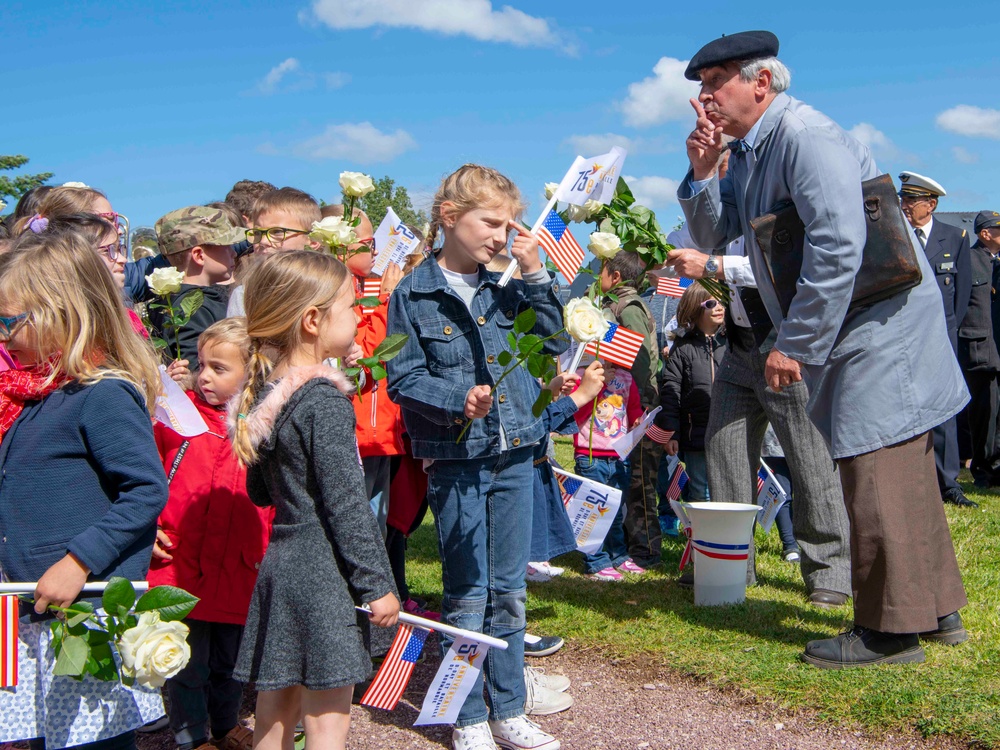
(608, 574)
(414, 608)
(630, 567)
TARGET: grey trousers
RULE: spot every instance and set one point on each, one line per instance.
(742, 406)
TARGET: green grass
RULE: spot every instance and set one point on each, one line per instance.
(755, 646)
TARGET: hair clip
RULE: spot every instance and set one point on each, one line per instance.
(241, 416)
(38, 224)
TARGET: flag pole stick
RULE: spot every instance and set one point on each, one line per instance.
(426, 624)
(577, 357)
(93, 587)
(508, 274)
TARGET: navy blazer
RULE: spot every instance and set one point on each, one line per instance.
(948, 253)
(80, 473)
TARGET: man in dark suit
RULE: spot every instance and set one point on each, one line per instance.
(978, 352)
(948, 252)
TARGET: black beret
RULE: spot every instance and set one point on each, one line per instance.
(747, 45)
(986, 220)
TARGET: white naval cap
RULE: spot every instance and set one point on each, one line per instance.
(917, 184)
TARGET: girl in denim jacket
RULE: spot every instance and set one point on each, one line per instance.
(480, 488)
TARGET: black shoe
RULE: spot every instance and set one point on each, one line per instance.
(826, 599)
(950, 631)
(957, 497)
(863, 647)
(686, 579)
(542, 645)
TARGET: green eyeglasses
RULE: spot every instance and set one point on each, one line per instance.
(275, 235)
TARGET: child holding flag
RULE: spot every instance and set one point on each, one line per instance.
(457, 318)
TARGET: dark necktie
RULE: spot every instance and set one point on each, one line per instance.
(920, 236)
(739, 146)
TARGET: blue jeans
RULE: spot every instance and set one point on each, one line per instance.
(779, 466)
(697, 470)
(482, 511)
(377, 480)
(615, 473)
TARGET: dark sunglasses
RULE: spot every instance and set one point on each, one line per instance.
(710, 303)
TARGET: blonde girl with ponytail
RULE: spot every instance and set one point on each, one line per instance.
(293, 427)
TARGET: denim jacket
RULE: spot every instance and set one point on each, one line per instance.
(452, 349)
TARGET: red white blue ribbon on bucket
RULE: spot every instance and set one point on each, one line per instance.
(714, 550)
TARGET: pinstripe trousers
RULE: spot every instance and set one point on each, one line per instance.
(742, 406)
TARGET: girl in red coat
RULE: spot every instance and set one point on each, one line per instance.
(211, 541)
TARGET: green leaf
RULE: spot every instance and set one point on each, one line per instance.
(72, 657)
(78, 613)
(368, 361)
(96, 636)
(611, 296)
(641, 214)
(525, 322)
(391, 346)
(607, 225)
(352, 372)
(368, 302)
(119, 593)
(623, 193)
(512, 340)
(157, 342)
(528, 344)
(171, 602)
(378, 372)
(191, 302)
(543, 400)
(536, 364)
(103, 659)
(504, 358)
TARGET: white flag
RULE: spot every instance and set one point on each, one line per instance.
(591, 507)
(453, 682)
(175, 410)
(592, 179)
(393, 242)
(770, 497)
(625, 444)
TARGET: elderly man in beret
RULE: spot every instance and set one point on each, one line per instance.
(880, 378)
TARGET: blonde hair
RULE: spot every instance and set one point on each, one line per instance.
(77, 312)
(294, 201)
(60, 202)
(689, 309)
(278, 291)
(228, 331)
(469, 187)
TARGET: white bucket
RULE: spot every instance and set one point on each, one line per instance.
(721, 534)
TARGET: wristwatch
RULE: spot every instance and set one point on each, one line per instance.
(711, 267)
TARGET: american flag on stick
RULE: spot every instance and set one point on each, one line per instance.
(619, 345)
(672, 286)
(390, 682)
(677, 484)
(560, 245)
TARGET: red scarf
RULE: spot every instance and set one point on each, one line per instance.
(19, 386)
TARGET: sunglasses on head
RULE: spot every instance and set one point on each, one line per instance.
(8, 324)
(710, 303)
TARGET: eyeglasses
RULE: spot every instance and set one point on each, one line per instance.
(274, 235)
(911, 199)
(10, 324)
(368, 242)
(710, 303)
(114, 251)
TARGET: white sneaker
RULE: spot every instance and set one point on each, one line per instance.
(536, 574)
(473, 737)
(558, 682)
(552, 570)
(540, 700)
(520, 733)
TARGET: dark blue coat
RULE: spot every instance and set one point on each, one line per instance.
(948, 253)
(79, 472)
(977, 349)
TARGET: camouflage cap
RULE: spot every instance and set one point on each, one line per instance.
(185, 228)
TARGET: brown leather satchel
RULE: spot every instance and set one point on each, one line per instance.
(888, 262)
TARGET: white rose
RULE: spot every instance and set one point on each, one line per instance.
(584, 321)
(584, 212)
(334, 232)
(164, 281)
(154, 651)
(604, 245)
(550, 189)
(356, 184)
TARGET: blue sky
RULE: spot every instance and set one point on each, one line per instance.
(168, 105)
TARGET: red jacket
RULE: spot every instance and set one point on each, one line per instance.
(379, 422)
(218, 535)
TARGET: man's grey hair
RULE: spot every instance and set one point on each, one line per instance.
(781, 77)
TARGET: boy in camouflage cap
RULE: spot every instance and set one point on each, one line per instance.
(198, 241)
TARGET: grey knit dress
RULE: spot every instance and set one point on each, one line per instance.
(326, 552)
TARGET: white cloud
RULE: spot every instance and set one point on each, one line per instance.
(661, 97)
(964, 156)
(879, 143)
(600, 143)
(974, 122)
(336, 80)
(653, 192)
(269, 84)
(357, 142)
(474, 18)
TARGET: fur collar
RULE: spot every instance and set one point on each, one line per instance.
(262, 417)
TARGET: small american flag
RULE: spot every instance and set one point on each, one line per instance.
(655, 434)
(677, 484)
(390, 682)
(369, 288)
(672, 286)
(8, 641)
(619, 345)
(560, 246)
(761, 478)
(567, 486)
